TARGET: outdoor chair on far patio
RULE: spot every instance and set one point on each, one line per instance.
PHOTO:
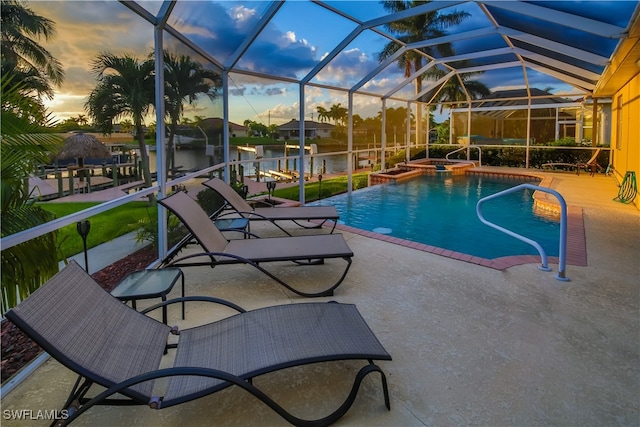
(305, 250)
(112, 345)
(591, 164)
(290, 213)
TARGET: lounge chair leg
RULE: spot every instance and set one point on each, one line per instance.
(78, 391)
(338, 413)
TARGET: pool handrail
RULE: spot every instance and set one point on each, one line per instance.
(463, 148)
(563, 227)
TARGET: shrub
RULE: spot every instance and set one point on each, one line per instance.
(210, 200)
(147, 230)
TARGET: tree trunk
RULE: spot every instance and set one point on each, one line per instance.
(170, 155)
(144, 157)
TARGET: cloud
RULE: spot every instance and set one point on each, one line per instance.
(237, 91)
(242, 14)
(219, 28)
(285, 112)
(347, 68)
(275, 91)
(81, 34)
(273, 52)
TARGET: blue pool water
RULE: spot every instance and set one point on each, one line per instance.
(441, 211)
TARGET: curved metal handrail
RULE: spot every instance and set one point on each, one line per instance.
(463, 148)
(563, 227)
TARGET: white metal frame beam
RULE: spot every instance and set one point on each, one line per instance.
(598, 28)
(554, 46)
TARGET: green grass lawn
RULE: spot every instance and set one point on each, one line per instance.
(104, 227)
(124, 219)
(329, 187)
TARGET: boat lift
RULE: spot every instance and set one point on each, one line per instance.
(281, 174)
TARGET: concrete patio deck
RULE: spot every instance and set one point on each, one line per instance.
(471, 345)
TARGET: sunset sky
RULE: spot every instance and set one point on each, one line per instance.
(289, 46)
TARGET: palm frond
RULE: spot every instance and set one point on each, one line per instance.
(26, 266)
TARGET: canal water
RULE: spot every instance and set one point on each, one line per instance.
(189, 159)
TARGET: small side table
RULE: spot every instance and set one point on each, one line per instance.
(233, 224)
(147, 284)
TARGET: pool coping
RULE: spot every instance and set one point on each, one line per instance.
(576, 253)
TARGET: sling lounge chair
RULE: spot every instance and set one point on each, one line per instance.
(293, 213)
(305, 250)
(110, 344)
(591, 164)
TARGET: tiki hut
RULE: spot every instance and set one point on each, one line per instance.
(82, 145)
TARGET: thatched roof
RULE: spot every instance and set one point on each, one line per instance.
(85, 146)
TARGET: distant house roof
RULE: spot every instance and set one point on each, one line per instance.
(539, 97)
(516, 99)
(308, 125)
(216, 123)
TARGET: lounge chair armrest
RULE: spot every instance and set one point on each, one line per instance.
(254, 215)
(210, 255)
(157, 403)
(243, 214)
(220, 215)
(194, 298)
(225, 210)
(180, 262)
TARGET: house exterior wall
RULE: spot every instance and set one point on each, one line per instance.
(312, 130)
(239, 131)
(625, 135)
(324, 133)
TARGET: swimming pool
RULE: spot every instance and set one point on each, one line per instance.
(441, 211)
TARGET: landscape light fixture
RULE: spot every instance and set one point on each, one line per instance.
(319, 186)
(83, 228)
(271, 185)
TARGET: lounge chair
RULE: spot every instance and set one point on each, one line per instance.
(110, 344)
(294, 213)
(306, 250)
(591, 164)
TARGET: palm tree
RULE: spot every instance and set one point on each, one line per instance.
(456, 90)
(25, 267)
(338, 113)
(34, 69)
(461, 88)
(323, 113)
(81, 119)
(396, 119)
(126, 126)
(184, 80)
(415, 29)
(357, 120)
(126, 88)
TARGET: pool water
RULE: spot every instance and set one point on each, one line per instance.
(441, 211)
